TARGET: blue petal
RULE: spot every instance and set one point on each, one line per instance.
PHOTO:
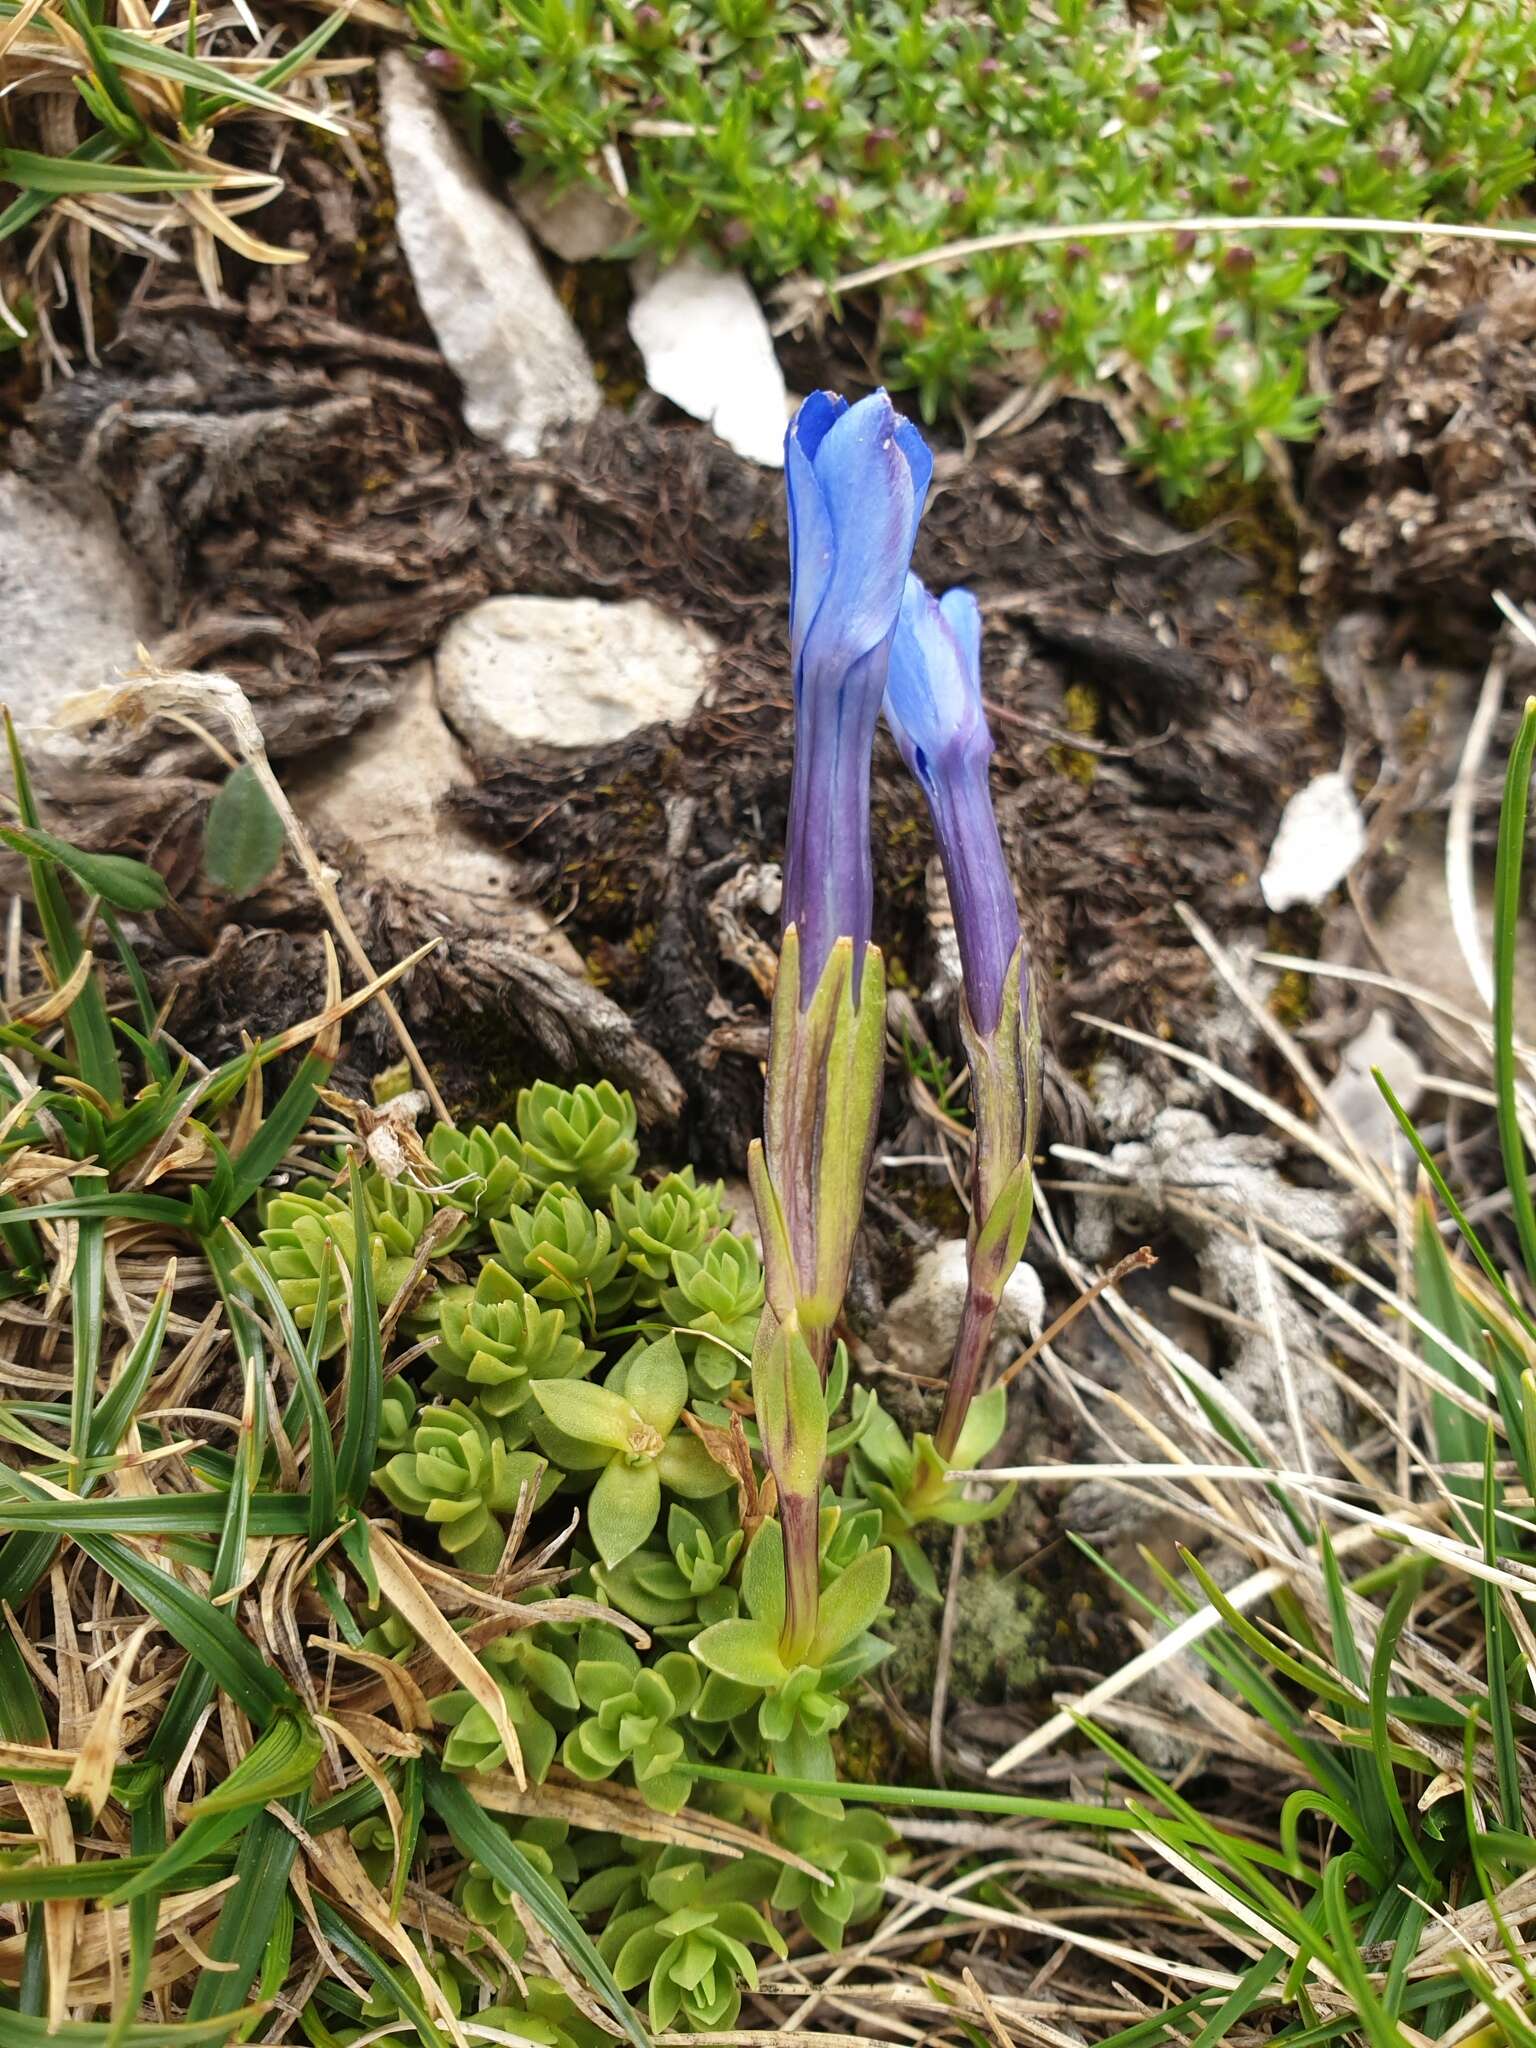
(962, 615)
(866, 487)
(814, 420)
(920, 462)
(811, 545)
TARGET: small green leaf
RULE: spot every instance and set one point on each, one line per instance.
(622, 1509)
(762, 1576)
(126, 884)
(243, 841)
(746, 1651)
(851, 1603)
(59, 175)
(656, 1384)
(592, 1415)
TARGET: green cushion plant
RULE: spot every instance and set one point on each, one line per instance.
(582, 1137)
(480, 1170)
(494, 1340)
(532, 1670)
(565, 1252)
(715, 1304)
(633, 1716)
(677, 1590)
(691, 1940)
(458, 1474)
(677, 1215)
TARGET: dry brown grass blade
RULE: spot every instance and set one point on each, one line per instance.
(416, 1608)
(90, 1781)
(617, 1809)
(47, 1813)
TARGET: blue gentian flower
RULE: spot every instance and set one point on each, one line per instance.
(856, 477)
(933, 706)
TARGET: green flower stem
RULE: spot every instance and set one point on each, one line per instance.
(824, 1071)
(974, 1341)
(1005, 1089)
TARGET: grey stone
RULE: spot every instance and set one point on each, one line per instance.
(73, 610)
(502, 330)
(377, 802)
(920, 1326)
(516, 672)
(579, 225)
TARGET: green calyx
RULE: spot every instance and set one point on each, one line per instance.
(691, 1939)
(826, 1059)
(630, 1717)
(715, 1304)
(456, 1475)
(480, 1170)
(582, 1137)
(910, 1483)
(495, 1341)
(628, 1432)
(799, 1700)
(677, 1215)
(563, 1251)
(535, 1682)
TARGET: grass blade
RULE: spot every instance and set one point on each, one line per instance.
(248, 1915)
(1506, 916)
(364, 1389)
(477, 1836)
(88, 1306)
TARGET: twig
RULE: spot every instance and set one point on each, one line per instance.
(1133, 1262)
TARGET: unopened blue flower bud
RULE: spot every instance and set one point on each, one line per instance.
(856, 478)
(933, 706)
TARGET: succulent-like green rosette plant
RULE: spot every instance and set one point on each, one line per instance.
(849, 1849)
(691, 1940)
(536, 1683)
(480, 1170)
(458, 1475)
(300, 1231)
(909, 1483)
(496, 1339)
(397, 1414)
(715, 1305)
(564, 1252)
(798, 1703)
(628, 1431)
(633, 1716)
(676, 1591)
(482, 1897)
(677, 1215)
(582, 1137)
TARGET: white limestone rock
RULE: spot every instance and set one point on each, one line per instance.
(920, 1326)
(73, 611)
(501, 329)
(516, 672)
(706, 346)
